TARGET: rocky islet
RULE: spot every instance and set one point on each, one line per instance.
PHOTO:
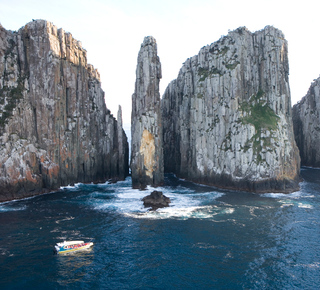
(156, 199)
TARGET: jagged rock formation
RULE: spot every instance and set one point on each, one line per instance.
(227, 117)
(146, 128)
(55, 128)
(156, 200)
(306, 123)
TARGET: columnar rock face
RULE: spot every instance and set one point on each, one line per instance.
(55, 128)
(227, 117)
(123, 148)
(146, 127)
(306, 122)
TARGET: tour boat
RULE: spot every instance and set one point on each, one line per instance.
(71, 246)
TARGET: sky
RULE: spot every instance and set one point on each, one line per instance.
(112, 31)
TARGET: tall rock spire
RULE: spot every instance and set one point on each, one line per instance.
(146, 149)
(123, 148)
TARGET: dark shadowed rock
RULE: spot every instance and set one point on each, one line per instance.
(306, 123)
(156, 200)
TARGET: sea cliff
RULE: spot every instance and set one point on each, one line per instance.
(227, 117)
(55, 128)
(306, 121)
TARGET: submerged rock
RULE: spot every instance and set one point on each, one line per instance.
(156, 200)
(146, 127)
(55, 128)
(306, 123)
(227, 117)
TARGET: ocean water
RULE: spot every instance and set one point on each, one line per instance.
(206, 239)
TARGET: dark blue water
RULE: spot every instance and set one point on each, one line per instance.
(207, 239)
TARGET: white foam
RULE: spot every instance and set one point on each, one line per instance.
(290, 196)
(228, 210)
(296, 194)
(67, 187)
(185, 203)
(125, 182)
(288, 202)
(6, 208)
(286, 205)
(304, 205)
(124, 201)
(71, 187)
(201, 212)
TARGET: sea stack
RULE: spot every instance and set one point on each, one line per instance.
(306, 122)
(227, 117)
(55, 128)
(146, 127)
(123, 149)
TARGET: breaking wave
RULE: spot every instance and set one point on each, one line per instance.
(185, 202)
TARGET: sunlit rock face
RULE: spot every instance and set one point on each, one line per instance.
(146, 128)
(55, 128)
(227, 116)
(306, 121)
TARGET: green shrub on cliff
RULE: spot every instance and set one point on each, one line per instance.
(259, 114)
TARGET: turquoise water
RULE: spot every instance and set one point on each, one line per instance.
(206, 239)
